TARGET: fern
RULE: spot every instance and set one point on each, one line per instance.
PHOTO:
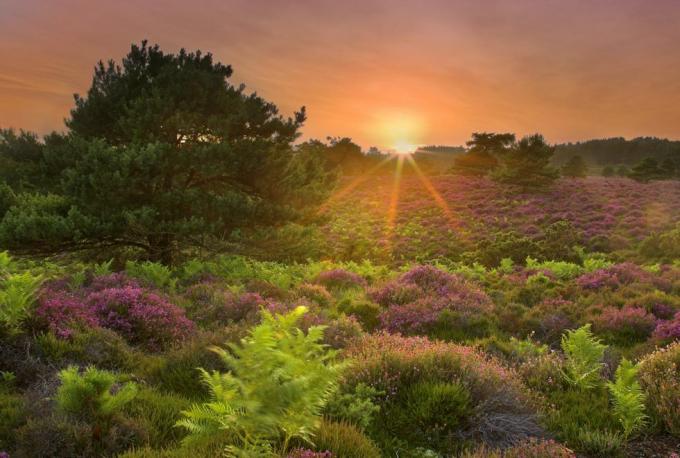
(16, 296)
(103, 268)
(154, 273)
(583, 353)
(279, 381)
(628, 398)
(89, 395)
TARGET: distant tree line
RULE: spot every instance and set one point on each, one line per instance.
(619, 151)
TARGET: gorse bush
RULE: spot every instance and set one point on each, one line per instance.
(278, 383)
(583, 353)
(357, 407)
(628, 398)
(18, 292)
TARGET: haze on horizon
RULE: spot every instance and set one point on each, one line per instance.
(383, 72)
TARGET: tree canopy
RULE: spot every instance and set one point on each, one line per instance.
(527, 164)
(161, 152)
(482, 154)
(575, 167)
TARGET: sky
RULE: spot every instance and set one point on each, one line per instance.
(383, 72)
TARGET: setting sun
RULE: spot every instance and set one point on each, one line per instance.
(398, 131)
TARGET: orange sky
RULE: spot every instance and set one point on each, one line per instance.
(379, 71)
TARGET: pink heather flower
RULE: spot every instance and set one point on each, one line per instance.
(64, 313)
(339, 278)
(668, 331)
(141, 317)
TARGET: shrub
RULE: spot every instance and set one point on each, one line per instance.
(64, 313)
(625, 326)
(431, 412)
(660, 379)
(498, 403)
(158, 413)
(362, 308)
(628, 398)
(430, 301)
(315, 293)
(356, 406)
(583, 353)
(668, 331)
(142, 317)
(344, 440)
(279, 381)
(341, 331)
(13, 415)
(532, 448)
(339, 279)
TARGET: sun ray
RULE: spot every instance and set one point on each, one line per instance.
(352, 184)
(439, 200)
(394, 202)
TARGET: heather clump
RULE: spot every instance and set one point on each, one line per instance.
(626, 325)
(426, 300)
(486, 401)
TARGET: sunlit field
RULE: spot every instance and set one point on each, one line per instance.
(339, 229)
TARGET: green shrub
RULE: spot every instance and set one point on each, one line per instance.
(344, 440)
(356, 406)
(356, 303)
(17, 294)
(158, 412)
(600, 443)
(278, 383)
(628, 398)
(12, 416)
(90, 396)
(98, 347)
(428, 413)
(659, 376)
(177, 370)
(583, 353)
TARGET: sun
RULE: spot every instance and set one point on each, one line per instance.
(398, 130)
(404, 147)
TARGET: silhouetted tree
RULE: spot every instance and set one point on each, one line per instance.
(608, 171)
(575, 167)
(647, 170)
(527, 164)
(163, 151)
(482, 154)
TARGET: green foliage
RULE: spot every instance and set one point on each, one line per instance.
(355, 302)
(12, 416)
(664, 246)
(584, 354)
(278, 383)
(575, 167)
(91, 395)
(647, 170)
(17, 294)
(600, 443)
(428, 414)
(527, 165)
(158, 413)
(152, 273)
(628, 398)
(482, 154)
(103, 268)
(356, 407)
(344, 440)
